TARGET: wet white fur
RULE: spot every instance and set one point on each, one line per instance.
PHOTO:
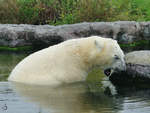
(67, 62)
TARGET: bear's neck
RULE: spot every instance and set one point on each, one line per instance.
(84, 55)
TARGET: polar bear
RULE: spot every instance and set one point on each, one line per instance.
(69, 61)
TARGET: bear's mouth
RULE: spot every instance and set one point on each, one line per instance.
(108, 72)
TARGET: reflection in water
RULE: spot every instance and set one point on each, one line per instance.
(135, 100)
(73, 98)
(78, 98)
(8, 61)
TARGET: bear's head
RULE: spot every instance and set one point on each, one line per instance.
(108, 55)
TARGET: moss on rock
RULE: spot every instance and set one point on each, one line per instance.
(23, 48)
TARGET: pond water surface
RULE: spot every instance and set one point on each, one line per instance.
(73, 98)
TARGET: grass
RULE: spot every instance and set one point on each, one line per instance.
(58, 12)
(24, 48)
(137, 43)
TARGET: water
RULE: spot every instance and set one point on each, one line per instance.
(73, 98)
(7, 62)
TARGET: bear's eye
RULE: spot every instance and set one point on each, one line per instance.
(116, 57)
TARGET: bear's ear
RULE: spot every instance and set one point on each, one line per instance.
(98, 45)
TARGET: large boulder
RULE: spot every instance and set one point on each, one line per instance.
(138, 69)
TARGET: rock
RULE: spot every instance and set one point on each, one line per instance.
(138, 69)
(138, 57)
(125, 32)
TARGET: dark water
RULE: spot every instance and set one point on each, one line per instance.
(7, 62)
(72, 98)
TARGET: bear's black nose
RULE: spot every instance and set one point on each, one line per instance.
(107, 72)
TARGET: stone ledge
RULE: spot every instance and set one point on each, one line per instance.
(125, 32)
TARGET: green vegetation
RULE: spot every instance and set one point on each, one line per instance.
(137, 43)
(141, 43)
(58, 12)
(24, 48)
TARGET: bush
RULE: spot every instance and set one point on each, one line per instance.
(72, 11)
(8, 11)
